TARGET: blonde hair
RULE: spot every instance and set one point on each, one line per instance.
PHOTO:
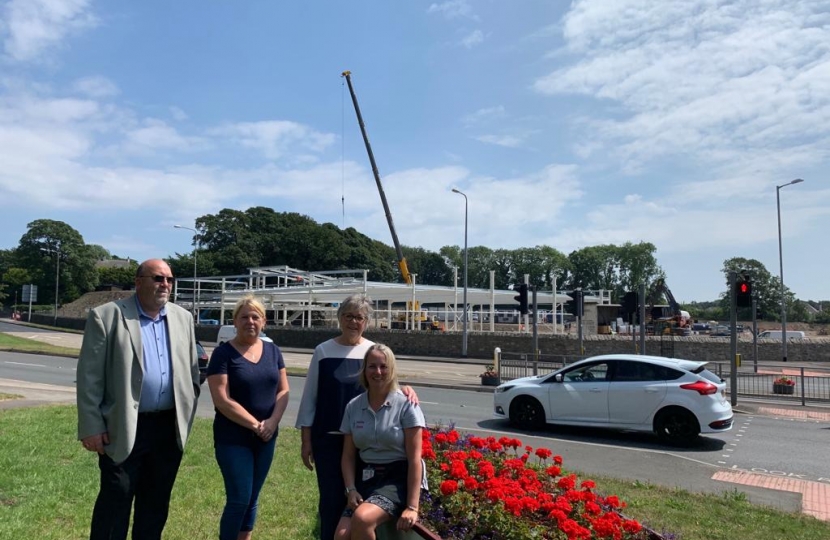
(390, 364)
(249, 300)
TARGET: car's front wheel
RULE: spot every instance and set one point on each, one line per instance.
(676, 426)
(527, 413)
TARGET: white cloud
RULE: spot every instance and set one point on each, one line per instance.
(716, 81)
(274, 138)
(96, 86)
(472, 39)
(177, 113)
(509, 141)
(32, 27)
(156, 134)
(453, 9)
(484, 115)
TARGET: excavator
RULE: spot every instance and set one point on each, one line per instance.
(422, 321)
(676, 321)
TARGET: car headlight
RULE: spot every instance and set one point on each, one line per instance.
(503, 388)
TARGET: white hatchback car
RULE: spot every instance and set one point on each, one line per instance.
(677, 399)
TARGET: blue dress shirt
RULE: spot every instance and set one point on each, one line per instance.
(157, 386)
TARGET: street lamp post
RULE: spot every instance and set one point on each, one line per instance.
(464, 321)
(781, 269)
(57, 280)
(195, 249)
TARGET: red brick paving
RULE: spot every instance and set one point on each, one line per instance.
(815, 496)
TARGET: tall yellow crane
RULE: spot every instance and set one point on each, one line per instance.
(420, 317)
(407, 277)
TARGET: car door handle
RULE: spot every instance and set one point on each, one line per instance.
(596, 390)
(652, 390)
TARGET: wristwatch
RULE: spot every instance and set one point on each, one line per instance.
(350, 489)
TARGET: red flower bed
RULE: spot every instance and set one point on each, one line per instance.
(494, 489)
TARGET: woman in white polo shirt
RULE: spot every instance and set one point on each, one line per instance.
(381, 463)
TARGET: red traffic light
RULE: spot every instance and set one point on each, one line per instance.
(743, 293)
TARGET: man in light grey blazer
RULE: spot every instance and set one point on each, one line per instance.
(138, 382)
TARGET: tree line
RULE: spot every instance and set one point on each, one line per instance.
(231, 241)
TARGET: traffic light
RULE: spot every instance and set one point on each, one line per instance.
(631, 300)
(521, 298)
(743, 292)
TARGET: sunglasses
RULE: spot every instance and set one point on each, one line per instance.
(160, 279)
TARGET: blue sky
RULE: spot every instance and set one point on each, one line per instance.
(566, 124)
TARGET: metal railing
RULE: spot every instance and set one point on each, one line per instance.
(812, 384)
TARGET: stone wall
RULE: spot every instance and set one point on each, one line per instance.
(481, 345)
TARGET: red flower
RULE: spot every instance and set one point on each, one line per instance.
(567, 482)
(458, 469)
(470, 483)
(453, 436)
(543, 453)
(588, 484)
(557, 460)
(553, 471)
(631, 526)
(448, 487)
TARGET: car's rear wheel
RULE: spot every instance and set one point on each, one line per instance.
(676, 426)
(527, 413)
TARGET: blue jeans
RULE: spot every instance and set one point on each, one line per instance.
(244, 468)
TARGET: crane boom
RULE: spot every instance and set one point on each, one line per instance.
(401, 259)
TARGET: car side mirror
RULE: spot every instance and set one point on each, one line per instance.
(558, 377)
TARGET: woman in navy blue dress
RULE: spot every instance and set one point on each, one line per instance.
(249, 387)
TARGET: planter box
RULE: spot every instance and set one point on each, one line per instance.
(487, 380)
(783, 388)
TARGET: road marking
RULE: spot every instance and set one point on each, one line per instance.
(815, 496)
(23, 364)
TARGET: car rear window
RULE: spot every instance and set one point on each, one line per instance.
(669, 374)
(708, 375)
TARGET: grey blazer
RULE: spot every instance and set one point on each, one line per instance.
(110, 371)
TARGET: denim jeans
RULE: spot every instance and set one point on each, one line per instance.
(244, 467)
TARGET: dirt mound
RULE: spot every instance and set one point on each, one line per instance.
(80, 307)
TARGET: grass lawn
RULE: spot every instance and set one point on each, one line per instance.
(22, 345)
(48, 484)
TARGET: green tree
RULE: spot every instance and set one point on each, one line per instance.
(637, 264)
(765, 288)
(49, 247)
(121, 276)
(430, 266)
(594, 267)
(14, 278)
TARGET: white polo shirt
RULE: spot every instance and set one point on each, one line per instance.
(379, 436)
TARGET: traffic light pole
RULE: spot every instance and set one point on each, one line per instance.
(642, 318)
(733, 314)
(755, 335)
(579, 308)
(535, 326)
